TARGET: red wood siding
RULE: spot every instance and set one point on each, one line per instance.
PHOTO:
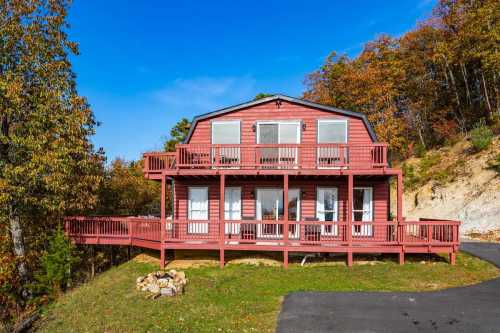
(308, 199)
(357, 132)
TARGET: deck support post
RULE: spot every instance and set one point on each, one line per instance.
(349, 258)
(399, 213)
(453, 258)
(285, 209)
(163, 219)
(222, 190)
(350, 190)
(285, 259)
(401, 257)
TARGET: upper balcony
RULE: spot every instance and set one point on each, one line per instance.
(198, 157)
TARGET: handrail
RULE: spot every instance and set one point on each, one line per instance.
(268, 156)
(407, 233)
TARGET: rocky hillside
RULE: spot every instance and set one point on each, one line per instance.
(456, 183)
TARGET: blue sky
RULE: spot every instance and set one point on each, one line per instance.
(143, 65)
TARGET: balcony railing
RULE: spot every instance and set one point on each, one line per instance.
(127, 230)
(267, 156)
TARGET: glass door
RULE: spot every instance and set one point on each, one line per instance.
(198, 210)
(274, 133)
(232, 209)
(362, 211)
(269, 208)
(326, 209)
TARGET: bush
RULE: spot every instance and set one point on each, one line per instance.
(481, 136)
(56, 264)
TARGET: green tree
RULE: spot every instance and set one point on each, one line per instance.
(57, 264)
(48, 166)
(177, 134)
(125, 191)
(261, 96)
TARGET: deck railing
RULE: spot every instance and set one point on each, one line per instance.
(269, 156)
(267, 232)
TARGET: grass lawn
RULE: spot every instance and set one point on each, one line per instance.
(241, 297)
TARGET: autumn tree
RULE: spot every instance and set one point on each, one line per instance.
(177, 134)
(425, 87)
(48, 167)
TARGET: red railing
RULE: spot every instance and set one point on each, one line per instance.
(267, 232)
(265, 156)
(113, 228)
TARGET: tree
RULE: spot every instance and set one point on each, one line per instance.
(425, 87)
(177, 134)
(125, 191)
(48, 166)
(261, 96)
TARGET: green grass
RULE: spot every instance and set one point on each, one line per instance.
(239, 298)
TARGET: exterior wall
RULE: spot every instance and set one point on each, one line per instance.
(357, 132)
(308, 197)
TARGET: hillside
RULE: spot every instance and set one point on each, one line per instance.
(455, 183)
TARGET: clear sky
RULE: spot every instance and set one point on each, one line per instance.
(143, 65)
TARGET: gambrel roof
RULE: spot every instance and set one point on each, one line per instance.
(237, 107)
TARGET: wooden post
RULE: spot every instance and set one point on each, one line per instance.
(399, 214)
(350, 190)
(285, 219)
(163, 220)
(401, 257)
(222, 230)
(453, 258)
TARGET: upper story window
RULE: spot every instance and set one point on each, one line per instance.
(226, 132)
(332, 131)
(272, 132)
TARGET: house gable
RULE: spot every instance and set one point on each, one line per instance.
(280, 107)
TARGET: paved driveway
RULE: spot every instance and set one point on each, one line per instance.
(466, 309)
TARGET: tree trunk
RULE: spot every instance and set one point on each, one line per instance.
(466, 82)
(486, 95)
(19, 250)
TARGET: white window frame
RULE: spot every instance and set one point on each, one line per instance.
(334, 227)
(223, 122)
(198, 228)
(332, 152)
(232, 153)
(283, 152)
(279, 123)
(333, 121)
(364, 230)
(232, 228)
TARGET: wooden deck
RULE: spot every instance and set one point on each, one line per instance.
(425, 236)
(196, 157)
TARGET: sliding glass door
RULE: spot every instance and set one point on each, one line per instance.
(269, 207)
(273, 133)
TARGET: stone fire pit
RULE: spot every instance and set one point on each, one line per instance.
(160, 283)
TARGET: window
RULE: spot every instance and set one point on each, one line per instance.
(198, 203)
(332, 131)
(226, 132)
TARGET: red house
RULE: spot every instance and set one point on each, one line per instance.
(276, 174)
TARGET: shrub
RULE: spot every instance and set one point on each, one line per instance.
(481, 136)
(419, 150)
(56, 264)
(410, 179)
(494, 163)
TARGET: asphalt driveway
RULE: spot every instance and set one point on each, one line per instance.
(466, 309)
